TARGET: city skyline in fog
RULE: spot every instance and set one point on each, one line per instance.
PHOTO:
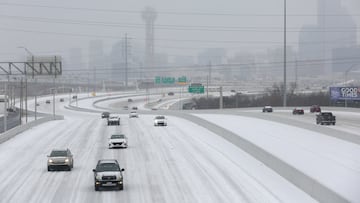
(182, 29)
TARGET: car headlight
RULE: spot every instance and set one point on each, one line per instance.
(50, 160)
(66, 160)
(98, 177)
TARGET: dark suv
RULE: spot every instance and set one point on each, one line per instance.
(108, 174)
(105, 115)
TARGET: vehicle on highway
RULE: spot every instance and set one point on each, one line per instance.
(47, 101)
(118, 140)
(125, 108)
(171, 94)
(298, 111)
(108, 173)
(113, 120)
(160, 121)
(60, 159)
(133, 114)
(105, 114)
(37, 104)
(61, 99)
(74, 97)
(325, 118)
(154, 108)
(267, 109)
(315, 109)
(134, 108)
(130, 100)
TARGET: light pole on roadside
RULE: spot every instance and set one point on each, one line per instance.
(32, 60)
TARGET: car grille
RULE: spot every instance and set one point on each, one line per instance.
(108, 178)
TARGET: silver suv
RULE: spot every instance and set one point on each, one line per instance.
(108, 174)
(60, 159)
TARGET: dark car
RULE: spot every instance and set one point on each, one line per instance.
(105, 115)
(74, 97)
(315, 109)
(108, 173)
(267, 109)
(61, 99)
(325, 118)
(47, 101)
(171, 94)
(130, 100)
(298, 111)
(134, 108)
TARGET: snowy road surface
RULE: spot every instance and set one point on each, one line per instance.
(182, 162)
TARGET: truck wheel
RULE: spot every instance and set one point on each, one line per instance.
(121, 187)
(48, 168)
(96, 188)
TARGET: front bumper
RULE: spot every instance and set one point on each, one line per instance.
(117, 144)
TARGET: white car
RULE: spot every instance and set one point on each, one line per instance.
(113, 120)
(160, 120)
(133, 114)
(118, 140)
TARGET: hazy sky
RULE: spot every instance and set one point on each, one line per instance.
(185, 27)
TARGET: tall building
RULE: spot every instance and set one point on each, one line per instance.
(335, 29)
(149, 16)
(97, 69)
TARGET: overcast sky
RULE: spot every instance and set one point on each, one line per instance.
(49, 27)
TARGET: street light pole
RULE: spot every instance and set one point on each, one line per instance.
(26, 88)
(285, 94)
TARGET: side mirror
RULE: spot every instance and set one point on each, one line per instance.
(122, 169)
(94, 170)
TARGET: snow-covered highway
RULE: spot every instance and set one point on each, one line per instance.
(183, 162)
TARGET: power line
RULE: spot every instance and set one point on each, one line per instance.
(167, 12)
(177, 27)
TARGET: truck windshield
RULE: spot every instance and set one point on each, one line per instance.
(107, 167)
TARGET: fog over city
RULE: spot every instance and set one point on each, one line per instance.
(91, 35)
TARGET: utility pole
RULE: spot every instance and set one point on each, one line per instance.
(126, 61)
(285, 94)
(208, 81)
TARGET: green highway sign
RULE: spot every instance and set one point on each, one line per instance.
(170, 80)
(196, 89)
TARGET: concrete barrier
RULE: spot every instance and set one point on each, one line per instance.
(19, 129)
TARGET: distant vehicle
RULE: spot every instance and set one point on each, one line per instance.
(134, 108)
(113, 120)
(171, 94)
(47, 101)
(160, 120)
(11, 109)
(74, 97)
(298, 111)
(105, 115)
(267, 109)
(61, 99)
(37, 104)
(108, 174)
(154, 108)
(233, 91)
(315, 108)
(133, 114)
(125, 108)
(325, 118)
(118, 140)
(189, 106)
(130, 100)
(60, 159)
